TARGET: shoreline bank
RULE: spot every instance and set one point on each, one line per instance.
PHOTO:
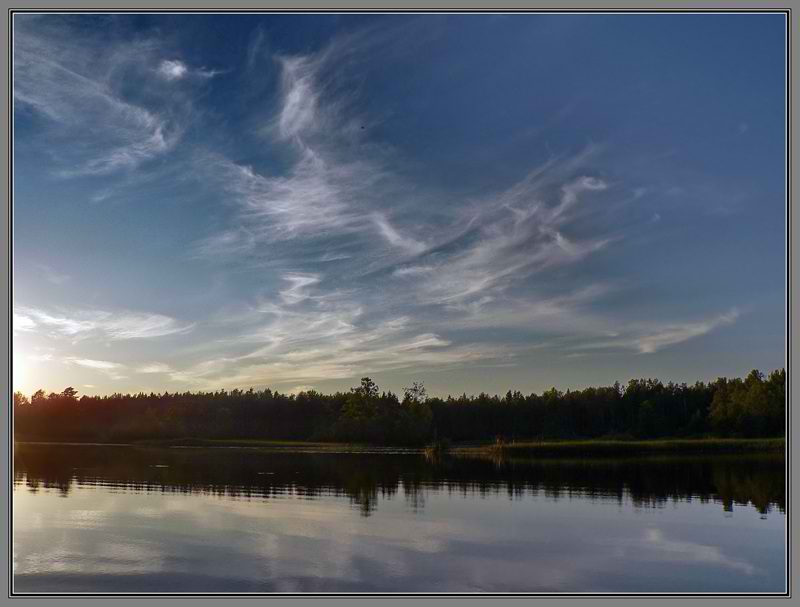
(516, 448)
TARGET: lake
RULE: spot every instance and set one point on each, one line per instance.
(136, 519)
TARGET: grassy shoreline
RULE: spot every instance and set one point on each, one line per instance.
(517, 448)
(209, 443)
(623, 447)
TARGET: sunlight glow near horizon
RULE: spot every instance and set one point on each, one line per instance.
(297, 201)
(21, 375)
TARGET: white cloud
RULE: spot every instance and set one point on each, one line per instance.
(40, 357)
(46, 322)
(647, 340)
(330, 187)
(100, 365)
(568, 313)
(412, 270)
(315, 198)
(346, 362)
(140, 326)
(395, 238)
(172, 70)
(82, 324)
(69, 80)
(110, 369)
(519, 236)
(255, 45)
(23, 323)
(330, 340)
(229, 243)
(334, 192)
(154, 368)
(571, 193)
(299, 287)
(299, 111)
(676, 334)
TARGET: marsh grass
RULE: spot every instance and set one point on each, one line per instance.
(621, 447)
(521, 448)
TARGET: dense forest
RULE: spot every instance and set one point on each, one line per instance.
(644, 408)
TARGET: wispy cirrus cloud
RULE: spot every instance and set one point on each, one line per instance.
(100, 324)
(320, 357)
(51, 275)
(22, 323)
(511, 242)
(154, 368)
(299, 114)
(341, 256)
(172, 70)
(175, 69)
(334, 191)
(225, 245)
(334, 177)
(648, 339)
(111, 369)
(316, 197)
(397, 239)
(470, 269)
(102, 365)
(565, 313)
(326, 337)
(70, 81)
(298, 291)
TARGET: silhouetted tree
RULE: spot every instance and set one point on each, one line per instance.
(753, 406)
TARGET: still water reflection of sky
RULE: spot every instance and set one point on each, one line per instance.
(433, 538)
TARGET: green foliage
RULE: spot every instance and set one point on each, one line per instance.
(650, 422)
(368, 416)
(751, 407)
(644, 408)
(415, 416)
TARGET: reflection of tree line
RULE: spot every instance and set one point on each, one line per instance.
(366, 478)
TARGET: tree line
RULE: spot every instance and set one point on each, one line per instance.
(753, 406)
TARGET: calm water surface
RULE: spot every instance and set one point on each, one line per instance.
(129, 519)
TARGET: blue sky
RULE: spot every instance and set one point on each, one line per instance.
(479, 202)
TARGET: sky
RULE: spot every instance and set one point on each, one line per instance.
(476, 202)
